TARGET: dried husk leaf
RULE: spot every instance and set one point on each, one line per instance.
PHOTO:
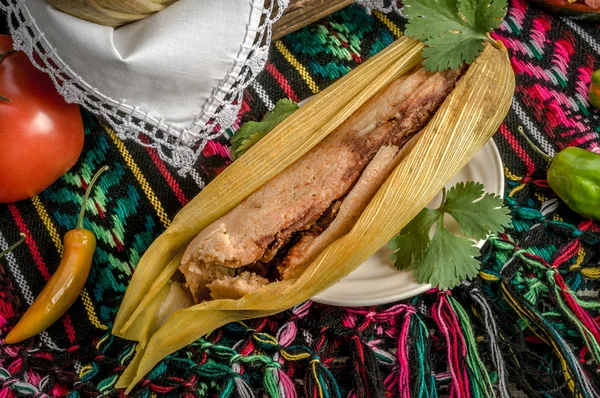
(113, 13)
(281, 147)
(465, 121)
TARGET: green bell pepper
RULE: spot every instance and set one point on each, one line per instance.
(574, 174)
(594, 94)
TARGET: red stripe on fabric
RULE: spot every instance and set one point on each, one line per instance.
(33, 248)
(160, 165)
(512, 140)
(69, 327)
(214, 148)
(39, 262)
(245, 108)
(285, 85)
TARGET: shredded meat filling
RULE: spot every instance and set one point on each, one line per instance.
(285, 217)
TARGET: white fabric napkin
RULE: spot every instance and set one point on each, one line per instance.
(172, 80)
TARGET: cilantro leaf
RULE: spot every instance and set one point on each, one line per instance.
(241, 146)
(448, 260)
(451, 51)
(251, 132)
(453, 30)
(283, 108)
(409, 246)
(430, 18)
(488, 14)
(476, 218)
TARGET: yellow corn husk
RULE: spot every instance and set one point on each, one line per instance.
(464, 122)
(280, 148)
(113, 13)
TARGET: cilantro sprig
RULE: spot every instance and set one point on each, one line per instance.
(453, 30)
(252, 132)
(447, 259)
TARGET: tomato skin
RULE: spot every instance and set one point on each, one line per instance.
(41, 136)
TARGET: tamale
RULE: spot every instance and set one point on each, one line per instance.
(465, 121)
(280, 148)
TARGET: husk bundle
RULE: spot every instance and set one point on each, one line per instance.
(111, 12)
(469, 116)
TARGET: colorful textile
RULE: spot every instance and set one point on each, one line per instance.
(528, 323)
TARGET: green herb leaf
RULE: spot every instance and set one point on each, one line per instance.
(431, 18)
(410, 245)
(476, 218)
(252, 132)
(485, 15)
(447, 259)
(453, 30)
(451, 51)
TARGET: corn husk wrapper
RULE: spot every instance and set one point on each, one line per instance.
(281, 147)
(110, 12)
(465, 121)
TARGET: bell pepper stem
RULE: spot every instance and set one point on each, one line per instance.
(537, 150)
(4, 99)
(87, 195)
(13, 246)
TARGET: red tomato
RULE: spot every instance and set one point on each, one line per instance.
(41, 136)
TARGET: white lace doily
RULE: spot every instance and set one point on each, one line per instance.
(385, 6)
(172, 81)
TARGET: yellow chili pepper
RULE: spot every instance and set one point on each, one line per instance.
(64, 287)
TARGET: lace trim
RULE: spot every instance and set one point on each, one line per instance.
(385, 6)
(181, 149)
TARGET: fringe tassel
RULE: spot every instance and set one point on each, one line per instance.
(423, 382)
(469, 375)
(403, 364)
(584, 323)
(567, 301)
(365, 370)
(536, 371)
(577, 380)
(412, 377)
(491, 329)
(285, 336)
(446, 320)
(242, 388)
(286, 385)
(271, 382)
(228, 388)
(479, 377)
(322, 384)
(237, 383)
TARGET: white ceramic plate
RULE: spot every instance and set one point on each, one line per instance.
(376, 281)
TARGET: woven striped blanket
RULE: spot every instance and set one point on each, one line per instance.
(528, 323)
